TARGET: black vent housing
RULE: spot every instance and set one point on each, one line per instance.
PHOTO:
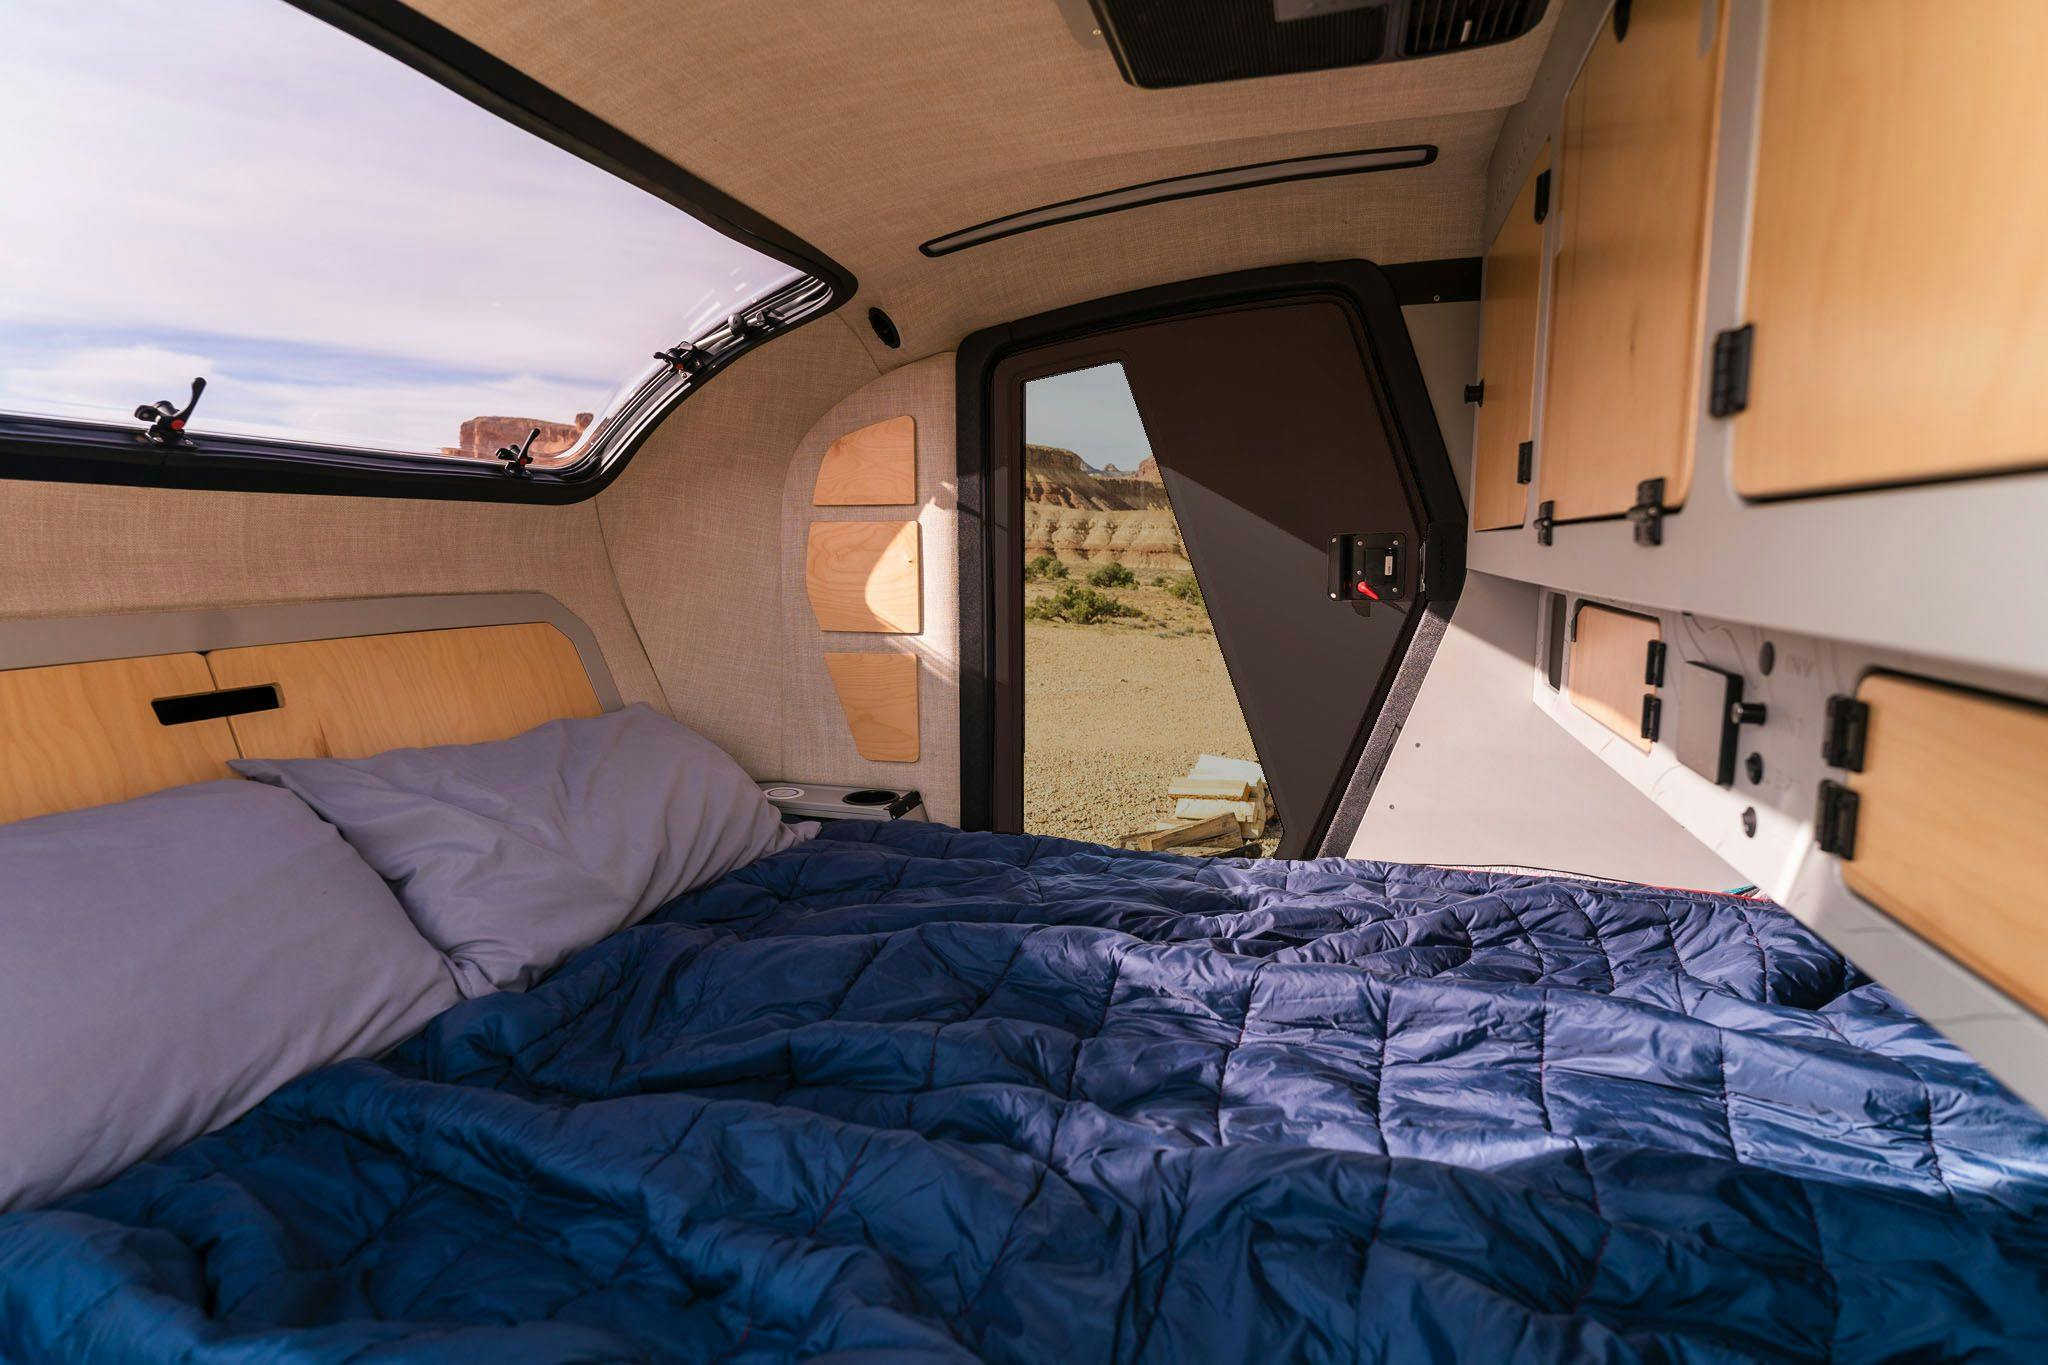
(1436, 26)
(1163, 44)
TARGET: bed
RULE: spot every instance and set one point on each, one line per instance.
(907, 1093)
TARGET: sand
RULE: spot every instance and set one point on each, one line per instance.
(1114, 712)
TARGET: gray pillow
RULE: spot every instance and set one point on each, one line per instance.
(167, 962)
(512, 855)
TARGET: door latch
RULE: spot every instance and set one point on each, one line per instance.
(1368, 567)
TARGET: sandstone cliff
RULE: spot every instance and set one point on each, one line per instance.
(1086, 515)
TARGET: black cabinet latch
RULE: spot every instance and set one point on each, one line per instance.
(1542, 196)
(1475, 394)
(1728, 387)
(1648, 513)
(1847, 729)
(1834, 820)
(1525, 462)
(1546, 522)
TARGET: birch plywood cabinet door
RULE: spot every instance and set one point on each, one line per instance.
(1507, 359)
(1896, 279)
(1636, 156)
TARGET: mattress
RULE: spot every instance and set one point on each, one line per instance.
(905, 1093)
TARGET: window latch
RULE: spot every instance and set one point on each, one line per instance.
(166, 423)
(518, 457)
(684, 358)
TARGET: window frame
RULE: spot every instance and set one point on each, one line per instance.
(63, 450)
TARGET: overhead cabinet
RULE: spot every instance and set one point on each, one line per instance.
(1622, 383)
(1507, 358)
(1896, 284)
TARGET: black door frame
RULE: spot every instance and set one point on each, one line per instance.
(991, 488)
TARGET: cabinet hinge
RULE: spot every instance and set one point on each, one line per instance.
(1834, 820)
(1648, 513)
(1475, 394)
(1653, 716)
(1848, 726)
(1525, 462)
(1728, 390)
(1653, 663)
(1546, 522)
(1542, 196)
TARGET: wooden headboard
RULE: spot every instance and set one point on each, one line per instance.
(84, 734)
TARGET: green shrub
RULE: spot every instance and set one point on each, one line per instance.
(1186, 589)
(1113, 575)
(1044, 566)
(1080, 606)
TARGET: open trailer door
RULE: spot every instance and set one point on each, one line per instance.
(1307, 483)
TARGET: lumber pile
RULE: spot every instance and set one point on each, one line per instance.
(1220, 801)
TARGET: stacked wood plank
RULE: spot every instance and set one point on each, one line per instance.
(1219, 801)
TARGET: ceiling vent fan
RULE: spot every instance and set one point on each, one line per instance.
(1161, 44)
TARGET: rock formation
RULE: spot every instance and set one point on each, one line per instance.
(1085, 515)
(484, 437)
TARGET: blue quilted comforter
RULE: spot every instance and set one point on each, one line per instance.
(910, 1094)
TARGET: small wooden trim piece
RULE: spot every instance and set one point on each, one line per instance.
(1610, 650)
(1949, 807)
(361, 695)
(873, 467)
(84, 735)
(878, 693)
(865, 576)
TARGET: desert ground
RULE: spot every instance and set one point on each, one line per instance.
(1116, 710)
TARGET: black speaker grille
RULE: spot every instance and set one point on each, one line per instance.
(1164, 43)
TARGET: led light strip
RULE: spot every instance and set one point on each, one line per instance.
(1183, 187)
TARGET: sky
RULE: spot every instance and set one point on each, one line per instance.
(1090, 412)
(348, 252)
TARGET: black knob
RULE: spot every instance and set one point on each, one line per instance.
(1476, 393)
(1746, 713)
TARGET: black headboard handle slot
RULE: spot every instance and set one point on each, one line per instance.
(228, 701)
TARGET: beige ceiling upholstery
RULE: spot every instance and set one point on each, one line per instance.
(869, 126)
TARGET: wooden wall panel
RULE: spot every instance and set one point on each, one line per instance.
(1895, 269)
(878, 693)
(1621, 391)
(1507, 361)
(873, 467)
(1608, 661)
(1949, 842)
(350, 698)
(864, 576)
(78, 735)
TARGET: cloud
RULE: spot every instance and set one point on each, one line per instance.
(420, 416)
(272, 178)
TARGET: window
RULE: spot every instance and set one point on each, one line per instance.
(354, 257)
(1132, 730)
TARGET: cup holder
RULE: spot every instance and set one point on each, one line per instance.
(868, 796)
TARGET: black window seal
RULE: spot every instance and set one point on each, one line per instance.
(65, 451)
